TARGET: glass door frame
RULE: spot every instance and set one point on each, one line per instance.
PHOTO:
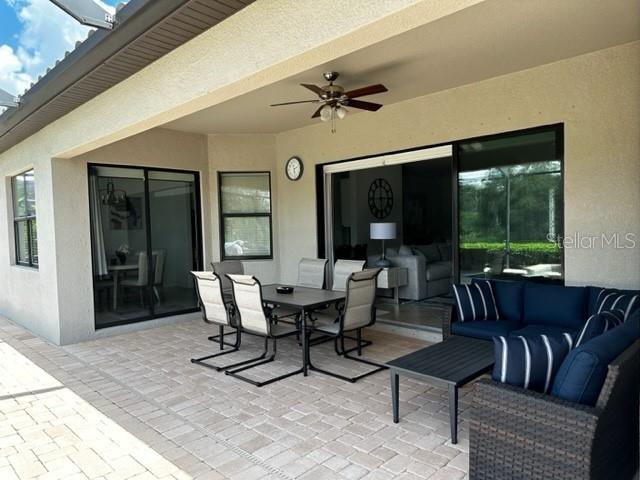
(324, 200)
(198, 239)
(363, 163)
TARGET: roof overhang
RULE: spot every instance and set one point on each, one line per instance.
(145, 31)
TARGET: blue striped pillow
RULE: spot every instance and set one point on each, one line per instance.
(598, 324)
(529, 362)
(609, 300)
(476, 301)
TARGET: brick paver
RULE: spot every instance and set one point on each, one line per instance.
(132, 406)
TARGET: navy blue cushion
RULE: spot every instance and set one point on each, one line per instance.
(583, 372)
(528, 362)
(475, 301)
(611, 300)
(597, 325)
(549, 330)
(483, 330)
(595, 294)
(555, 305)
(508, 295)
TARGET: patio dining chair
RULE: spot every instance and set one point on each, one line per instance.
(311, 273)
(226, 267)
(254, 318)
(342, 270)
(215, 311)
(357, 312)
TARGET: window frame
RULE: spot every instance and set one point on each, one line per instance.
(222, 216)
(26, 219)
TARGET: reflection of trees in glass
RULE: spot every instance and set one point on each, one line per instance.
(534, 202)
(512, 209)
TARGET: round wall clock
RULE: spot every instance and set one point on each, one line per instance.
(294, 168)
(380, 198)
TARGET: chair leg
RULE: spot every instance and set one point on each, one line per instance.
(236, 347)
(220, 338)
(270, 358)
(343, 352)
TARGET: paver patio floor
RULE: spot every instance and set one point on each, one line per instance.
(133, 406)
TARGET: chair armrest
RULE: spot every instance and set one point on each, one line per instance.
(514, 432)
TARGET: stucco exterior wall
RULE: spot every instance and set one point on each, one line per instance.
(28, 295)
(156, 148)
(594, 95)
(251, 152)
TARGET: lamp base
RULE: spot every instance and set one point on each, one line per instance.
(382, 263)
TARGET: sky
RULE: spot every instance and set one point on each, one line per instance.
(33, 35)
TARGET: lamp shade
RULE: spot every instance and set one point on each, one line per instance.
(382, 231)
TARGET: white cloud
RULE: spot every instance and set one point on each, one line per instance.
(46, 33)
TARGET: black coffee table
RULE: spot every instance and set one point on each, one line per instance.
(453, 362)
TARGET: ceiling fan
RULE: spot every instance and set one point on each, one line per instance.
(334, 99)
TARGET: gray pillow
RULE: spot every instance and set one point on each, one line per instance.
(405, 250)
(430, 252)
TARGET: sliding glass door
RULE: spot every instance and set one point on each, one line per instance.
(510, 206)
(145, 241)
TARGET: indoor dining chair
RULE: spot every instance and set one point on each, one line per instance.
(357, 312)
(254, 318)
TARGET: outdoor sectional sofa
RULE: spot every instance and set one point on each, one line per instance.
(519, 433)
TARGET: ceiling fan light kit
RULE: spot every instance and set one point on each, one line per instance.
(333, 99)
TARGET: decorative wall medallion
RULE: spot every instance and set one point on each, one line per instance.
(380, 198)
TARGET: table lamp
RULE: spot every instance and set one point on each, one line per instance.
(382, 231)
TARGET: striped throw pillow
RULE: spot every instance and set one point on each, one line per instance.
(610, 300)
(476, 301)
(598, 324)
(529, 362)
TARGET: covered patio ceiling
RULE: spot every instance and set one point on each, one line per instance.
(460, 49)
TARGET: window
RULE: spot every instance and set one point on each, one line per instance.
(510, 206)
(245, 215)
(24, 215)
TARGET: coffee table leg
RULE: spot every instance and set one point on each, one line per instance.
(395, 393)
(453, 412)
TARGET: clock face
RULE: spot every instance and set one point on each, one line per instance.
(294, 168)
(380, 198)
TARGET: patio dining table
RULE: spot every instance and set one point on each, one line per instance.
(304, 300)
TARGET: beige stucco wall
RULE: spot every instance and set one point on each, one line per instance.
(156, 148)
(27, 294)
(596, 97)
(251, 152)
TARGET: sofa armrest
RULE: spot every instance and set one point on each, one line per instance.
(514, 432)
(416, 288)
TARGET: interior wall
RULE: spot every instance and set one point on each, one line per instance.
(595, 96)
(242, 153)
(156, 148)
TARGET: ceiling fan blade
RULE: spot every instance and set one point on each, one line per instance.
(317, 112)
(314, 88)
(370, 90)
(372, 107)
(293, 103)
